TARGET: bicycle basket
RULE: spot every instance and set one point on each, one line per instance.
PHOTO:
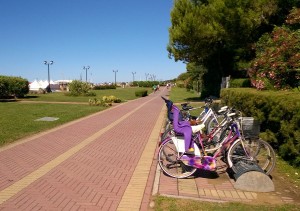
(249, 126)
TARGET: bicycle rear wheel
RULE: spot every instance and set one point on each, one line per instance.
(170, 163)
(258, 151)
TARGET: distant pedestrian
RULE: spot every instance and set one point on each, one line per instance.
(154, 88)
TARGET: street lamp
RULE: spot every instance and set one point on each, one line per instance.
(154, 77)
(115, 71)
(48, 63)
(86, 68)
(133, 76)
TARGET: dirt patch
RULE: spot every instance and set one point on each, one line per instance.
(285, 188)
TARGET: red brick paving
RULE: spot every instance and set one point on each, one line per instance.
(95, 178)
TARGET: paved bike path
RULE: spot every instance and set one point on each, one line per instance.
(101, 162)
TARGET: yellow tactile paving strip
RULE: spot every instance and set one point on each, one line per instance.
(12, 190)
(134, 192)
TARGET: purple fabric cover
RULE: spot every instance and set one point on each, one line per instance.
(182, 127)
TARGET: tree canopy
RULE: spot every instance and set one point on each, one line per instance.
(219, 34)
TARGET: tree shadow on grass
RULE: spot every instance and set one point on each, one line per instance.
(29, 97)
(198, 99)
(193, 99)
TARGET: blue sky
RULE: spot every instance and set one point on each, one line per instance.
(124, 35)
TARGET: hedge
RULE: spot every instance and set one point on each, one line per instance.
(279, 114)
(13, 87)
(239, 82)
(101, 87)
(141, 93)
(145, 83)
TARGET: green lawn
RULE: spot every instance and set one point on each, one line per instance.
(180, 95)
(18, 119)
(123, 93)
(166, 203)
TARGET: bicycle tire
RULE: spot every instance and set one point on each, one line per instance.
(212, 123)
(264, 155)
(170, 164)
(167, 133)
(258, 151)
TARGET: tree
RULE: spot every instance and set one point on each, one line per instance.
(183, 80)
(216, 34)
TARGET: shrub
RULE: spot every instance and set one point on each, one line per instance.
(79, 88)
(96, 102)
(101, 87)
(277, 61)
(13, 87)
(145, 83)
(111, 99)
(141, 93)
(240, 82)
(278, 113)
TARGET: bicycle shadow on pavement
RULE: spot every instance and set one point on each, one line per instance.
(221, 169)
(206, 174)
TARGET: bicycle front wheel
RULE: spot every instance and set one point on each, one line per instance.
(258, 151)
(168, 133)
(169, 162)
(212, 123)
(263, 154)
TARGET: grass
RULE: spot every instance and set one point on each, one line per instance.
(291, 173)
(18, 119)
(180, 95)
(165, 203)
(123, 93)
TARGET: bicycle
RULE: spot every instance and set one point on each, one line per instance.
(175, 163)
(232, 147)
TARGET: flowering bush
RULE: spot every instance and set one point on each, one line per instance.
(277, 61)
(111, 99)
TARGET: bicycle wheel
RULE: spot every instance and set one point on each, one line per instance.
(169, 162)
(167, 134)
(237, 152)
(212, 123)
(263, 154)
(257, 151)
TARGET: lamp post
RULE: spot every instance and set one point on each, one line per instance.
(154, 77)
(48, 63)
(86, 68)
(115, 71)
(133, 73)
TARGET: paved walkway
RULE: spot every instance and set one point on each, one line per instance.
(105, 161)
(101, 162)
